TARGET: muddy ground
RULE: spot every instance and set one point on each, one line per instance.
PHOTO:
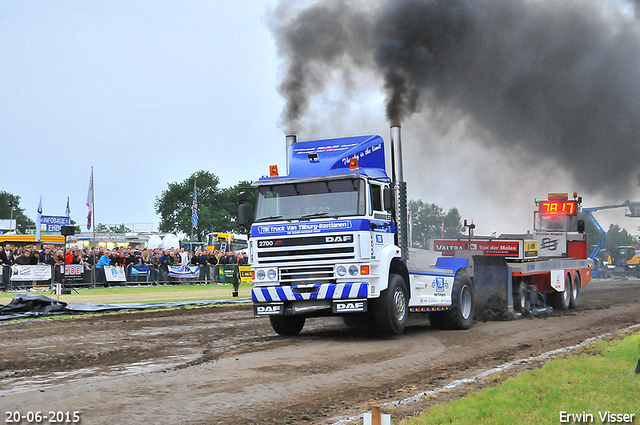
(220, 365)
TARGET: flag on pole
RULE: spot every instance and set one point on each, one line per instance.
(67, 212)
(90, 201)
(194, 207)
(39, 220)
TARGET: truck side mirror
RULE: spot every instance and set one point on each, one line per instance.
(388, 197)
(242, 215)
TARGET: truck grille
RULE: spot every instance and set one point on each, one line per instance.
(306, 275)
(306, 260)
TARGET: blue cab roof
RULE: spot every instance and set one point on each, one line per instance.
(331, 156)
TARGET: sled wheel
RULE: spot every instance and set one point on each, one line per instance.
(519, 296)
(562, 300)
(574, 302)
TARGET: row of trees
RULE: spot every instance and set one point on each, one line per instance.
(217, 207)
(10, 207)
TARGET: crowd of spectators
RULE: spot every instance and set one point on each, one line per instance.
(158, 260)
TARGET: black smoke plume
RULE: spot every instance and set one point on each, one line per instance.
(558, 79)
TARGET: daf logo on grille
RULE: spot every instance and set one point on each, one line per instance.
(345, 238)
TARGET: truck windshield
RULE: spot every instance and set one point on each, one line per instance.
(329, 198)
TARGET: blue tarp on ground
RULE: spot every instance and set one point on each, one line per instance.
(24, 306)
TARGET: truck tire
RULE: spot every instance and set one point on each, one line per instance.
(391, 309)
(519, 296)
(562, 300)
(287, 325)
(460, 314)
(574, 302)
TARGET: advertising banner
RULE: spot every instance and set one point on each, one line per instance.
(551, 244)
(184, 271)
(246, 274)
(73, 272)
(114, 274)
(38, 272)
(53, 223)
(503, 248)
(138, 270)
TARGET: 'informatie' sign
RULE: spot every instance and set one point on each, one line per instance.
(53, 224)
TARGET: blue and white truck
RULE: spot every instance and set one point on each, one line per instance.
(331, 238)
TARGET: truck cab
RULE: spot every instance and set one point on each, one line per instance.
(324, 237)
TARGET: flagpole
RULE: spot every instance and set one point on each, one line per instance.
(93, 225)
(192, 214)
(91, 222)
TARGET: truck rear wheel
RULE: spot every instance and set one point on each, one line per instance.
(460, 314)
(562, 300)
(287, 325)
(391, 309)
(575, 292)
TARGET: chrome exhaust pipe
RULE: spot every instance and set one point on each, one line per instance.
(397, 178)
(290, 139)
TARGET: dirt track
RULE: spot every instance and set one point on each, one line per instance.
(223, 366)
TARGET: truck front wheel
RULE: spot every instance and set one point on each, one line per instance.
(391, 309)
(287, 325)
(460, 314)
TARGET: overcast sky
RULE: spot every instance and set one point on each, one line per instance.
(149, 92)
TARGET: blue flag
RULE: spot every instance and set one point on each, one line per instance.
(194, 207)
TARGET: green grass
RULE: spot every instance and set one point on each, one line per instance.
(600, 379)
(162, 293)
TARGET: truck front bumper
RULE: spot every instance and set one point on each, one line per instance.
(324, 291)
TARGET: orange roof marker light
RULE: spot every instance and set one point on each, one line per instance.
(353, 164)
(273, 171)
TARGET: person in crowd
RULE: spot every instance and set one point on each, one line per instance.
(243, 260)
(34, 256)
(130, 257)
(154, 265)
(166, 260)
(24, 259)
(232, 258)
(195, 259)
(104, 260)
(222, 258)
(58, 258)
(68, 257)
(116, 258)
(213, 261)
(6, 256)
(45, 256)
(77, 257)
(183, 257)
(145, 255)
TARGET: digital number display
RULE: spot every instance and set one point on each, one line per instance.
(558, 207)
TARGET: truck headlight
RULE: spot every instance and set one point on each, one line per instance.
(271, 274)
(341, 270)
(353, 270)
(261, 274)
